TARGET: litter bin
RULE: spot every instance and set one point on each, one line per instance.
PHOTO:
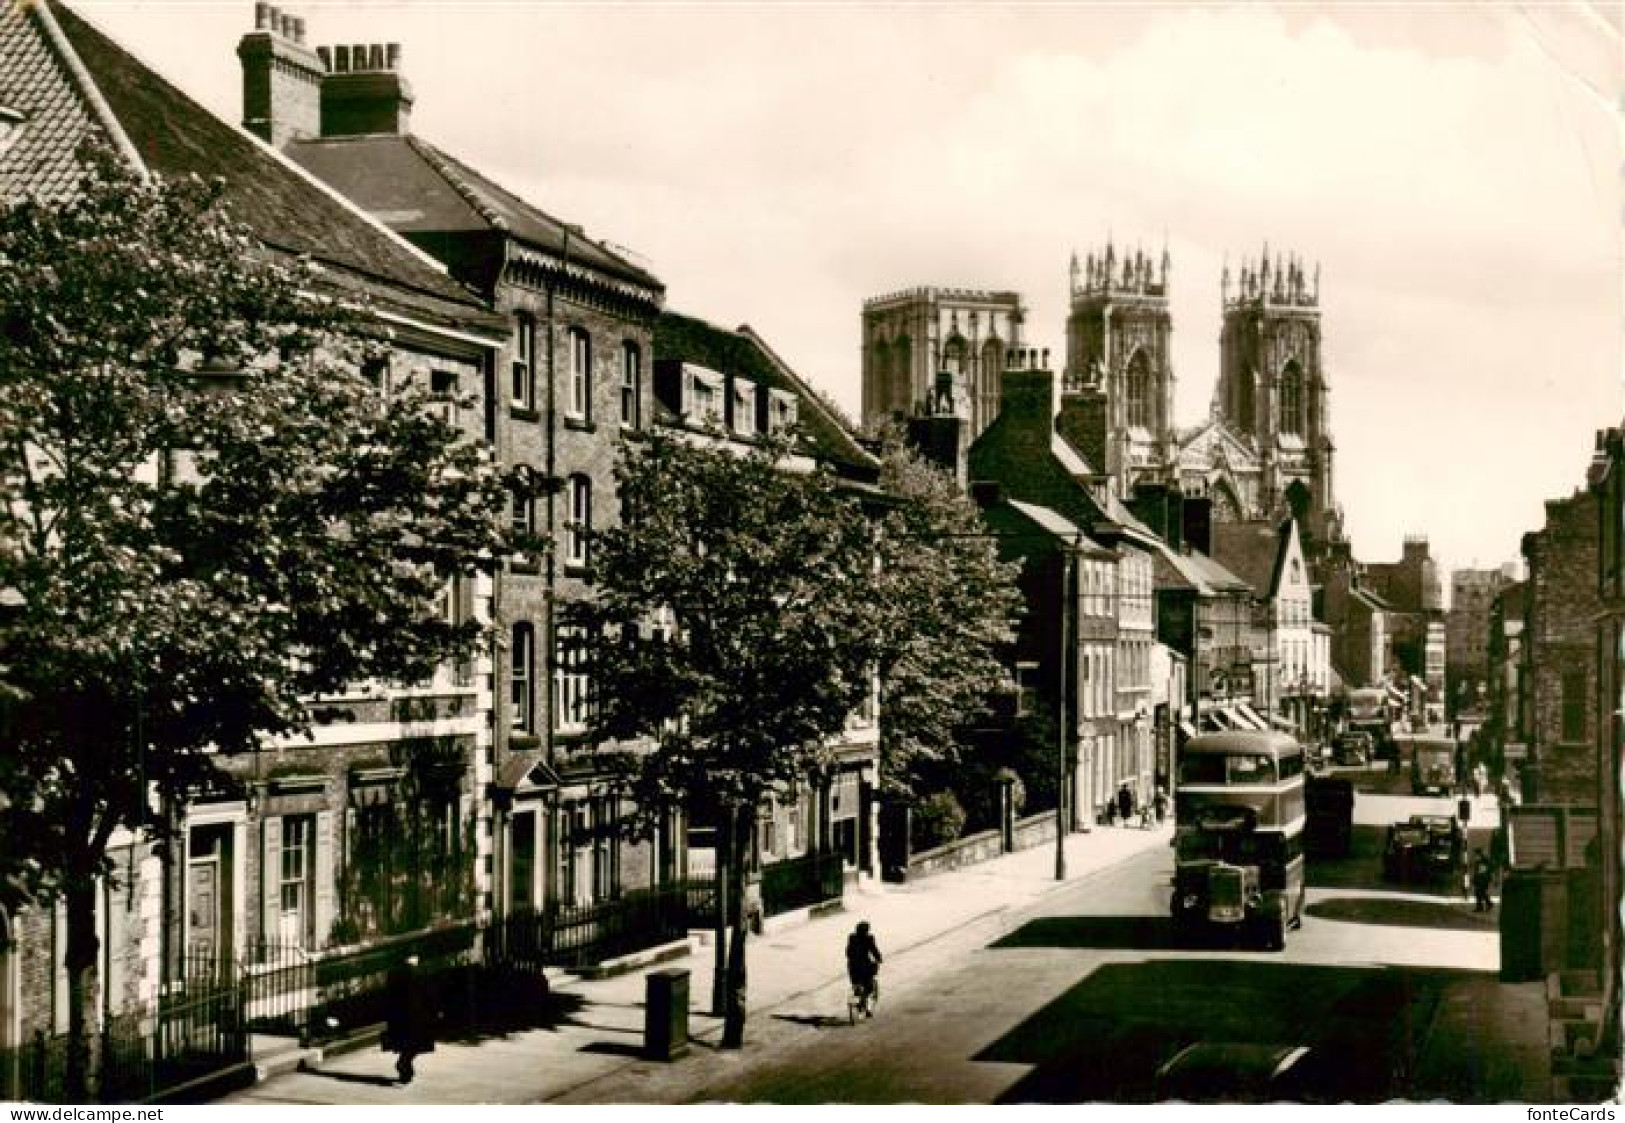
(1464, 809)
(665, 1015)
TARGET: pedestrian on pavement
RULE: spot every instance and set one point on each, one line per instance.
(863, 961)
(1160, 802)
(1125, 804)
(409, 1028)
(1483, 875)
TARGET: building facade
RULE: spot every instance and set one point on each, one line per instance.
(1467, 632)
(1559, 654)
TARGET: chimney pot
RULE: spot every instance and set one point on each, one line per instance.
(299, 30)
(262, 16)
(375, 57)
(1046, 358)
(393, 56)
(341, 58)
(358, 56)
(326, 55)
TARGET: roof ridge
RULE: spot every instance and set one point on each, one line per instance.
(830, 412)
(79, 75)
(446, 166)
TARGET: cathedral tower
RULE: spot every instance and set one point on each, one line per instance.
(912, 337)
(1117, 359)
(1272, 388)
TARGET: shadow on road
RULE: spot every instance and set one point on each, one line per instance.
(1144, 933)
(816, 1021)
(1105, 1037)
(1397, 912)
(351, 1077)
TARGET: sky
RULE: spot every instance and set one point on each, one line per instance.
(1454, 170)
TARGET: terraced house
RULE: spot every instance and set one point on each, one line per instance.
(571, 388)
(371, 834)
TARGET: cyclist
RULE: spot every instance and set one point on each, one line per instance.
(863, 961)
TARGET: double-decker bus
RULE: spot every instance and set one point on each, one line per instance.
(1433, 766)
(1238, 860)
(1368, 712)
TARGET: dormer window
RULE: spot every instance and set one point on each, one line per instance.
(781, 410)
(702, 396)
(742, 403)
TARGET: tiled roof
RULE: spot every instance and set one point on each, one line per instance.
(1053, 523)
(174, 136)
(418, 189)
(1253, 551)
(744, 353)
(37, 84)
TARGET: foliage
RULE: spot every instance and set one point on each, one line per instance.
(180, 569)
(938, 820)
(951, 606)
(765, 580)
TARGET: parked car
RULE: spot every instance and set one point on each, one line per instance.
(1424, 848)
(1352, 748)
(1236, 1072)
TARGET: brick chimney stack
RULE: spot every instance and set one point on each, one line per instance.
(364, 92)
(282, 78)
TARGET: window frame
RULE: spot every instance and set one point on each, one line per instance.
(631, 385)
(522, 677)
(578, 397)
(578, 527)
(522, 370)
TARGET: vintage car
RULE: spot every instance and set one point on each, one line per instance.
(1352, 748)
(1424, 848)
(1236, 1072)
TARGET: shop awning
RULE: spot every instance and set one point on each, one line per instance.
(1187, 729)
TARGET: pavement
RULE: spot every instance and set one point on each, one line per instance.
(1485, 1036)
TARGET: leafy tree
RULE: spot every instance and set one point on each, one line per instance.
(951, 605)
(180, 569)
(763, 583)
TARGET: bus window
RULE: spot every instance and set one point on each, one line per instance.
(1291, 766)
(1201, 770)
(1250, 768)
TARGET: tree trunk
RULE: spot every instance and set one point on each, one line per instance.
(79, 962)
(733, 1019)
(723, 881)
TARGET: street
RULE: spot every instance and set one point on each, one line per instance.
(1085, 995)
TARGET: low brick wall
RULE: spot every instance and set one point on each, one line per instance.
(1035, 830)
(965, 851)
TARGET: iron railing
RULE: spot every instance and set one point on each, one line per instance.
(797, 883)
(195, 1030)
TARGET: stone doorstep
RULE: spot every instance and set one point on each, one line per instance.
(1570, 1037)
(636, 961)
(1585, 1009)
(1573, 984)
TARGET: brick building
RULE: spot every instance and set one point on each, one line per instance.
(369, 830)
(1560, 654)
(571, 388)
(1414, 595)
(1503, 732)
(1467, 636)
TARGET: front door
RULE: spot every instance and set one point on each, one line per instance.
(203, 912)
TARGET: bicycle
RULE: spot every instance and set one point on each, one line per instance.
(862, 1000)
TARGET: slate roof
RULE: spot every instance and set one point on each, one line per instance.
(1254, 551)
(80, 83)
(829, 436)
(416, 188)
(1063, 528)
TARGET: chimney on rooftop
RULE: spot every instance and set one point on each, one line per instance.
(365, 93)
(282, 78)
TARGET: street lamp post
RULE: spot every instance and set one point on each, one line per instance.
(1064, 723)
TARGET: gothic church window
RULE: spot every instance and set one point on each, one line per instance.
(953, 355)
(1291, 396)
(1137, 392)
(1244, 400)
(902, 366)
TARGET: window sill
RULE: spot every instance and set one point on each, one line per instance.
(528, 566)
(580, 424)
(523, 413)
(577, 569)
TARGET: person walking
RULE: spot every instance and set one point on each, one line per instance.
(1125, 805)
(863, 961)
(1483, 875)
(409, 1027)
(1159, 803)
